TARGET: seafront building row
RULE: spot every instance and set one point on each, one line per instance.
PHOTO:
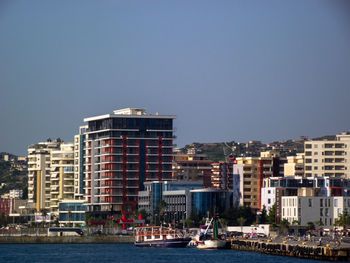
(126, 161)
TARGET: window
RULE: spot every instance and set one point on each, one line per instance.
(310, 202)
(335, 202)
(321, 202)
(321, 212)
(269, 201)
(326, 212)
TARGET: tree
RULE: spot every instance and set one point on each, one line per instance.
(143, 212)
(343, 220)
(241, 221)
(284, 226)
(44, 213)
(319, 223)
(271, 217)
(162, 207)
(310, 226)
(263, 216)
(189, 223)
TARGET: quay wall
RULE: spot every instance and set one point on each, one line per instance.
(65, 239)
(292, 250)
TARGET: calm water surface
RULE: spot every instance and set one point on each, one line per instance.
(128, 253)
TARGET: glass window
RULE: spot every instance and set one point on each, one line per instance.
(335, 202)
(310, 202)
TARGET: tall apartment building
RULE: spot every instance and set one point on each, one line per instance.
(328, 157)
(122, 151)
(255, 169)
(39, 173)
(79, 163)
(221, 176)
(192, 167)
(62, 179)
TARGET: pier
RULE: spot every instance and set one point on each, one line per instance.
(302, 250)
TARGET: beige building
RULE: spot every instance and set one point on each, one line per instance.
(39, 173)
(250, 182)
(79, 161)
(294, 165)
(62, 175)
(255, 169)
(328, 157)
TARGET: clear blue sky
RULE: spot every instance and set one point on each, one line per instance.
(229, 70)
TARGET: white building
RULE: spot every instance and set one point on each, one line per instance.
(15, 194)
(276, 187)
(314, 209)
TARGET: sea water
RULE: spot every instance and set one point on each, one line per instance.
(127, 253)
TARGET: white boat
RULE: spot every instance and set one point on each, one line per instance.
(211, 244)
(210, 238)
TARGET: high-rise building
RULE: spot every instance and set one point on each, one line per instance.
(192, 167)
(62, 179)
(122, 151)
(39, 173)
(221, 175)
(79, 163)
(328, 157)
(255, 169)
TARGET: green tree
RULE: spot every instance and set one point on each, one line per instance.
(343, 220)
(284, 226)
(319, 223)
(44, 213)
(189, 223)
(241, 221)
(263, 216)
(272, 215)
(144, 214)
(310, 226)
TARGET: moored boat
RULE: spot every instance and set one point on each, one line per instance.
(211, 240)
(158, 236)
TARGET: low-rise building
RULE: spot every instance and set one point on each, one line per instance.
(320, 210)
(72, 212)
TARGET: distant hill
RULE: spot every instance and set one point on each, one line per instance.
(11, 178)
(218, 151)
